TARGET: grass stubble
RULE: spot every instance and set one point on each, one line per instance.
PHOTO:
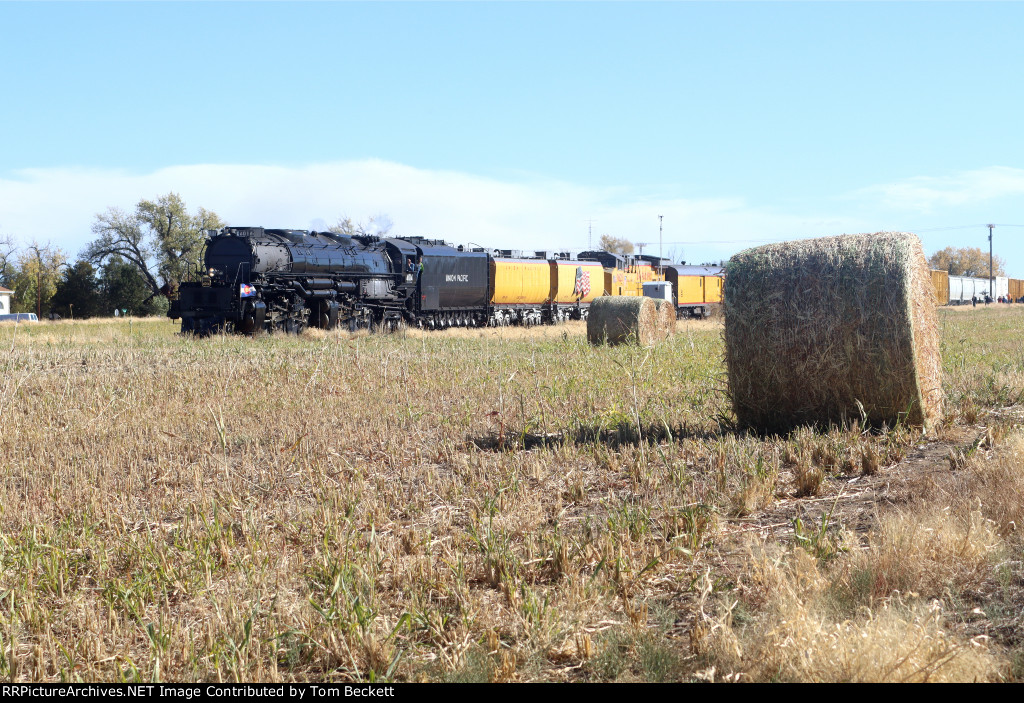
(491, 505)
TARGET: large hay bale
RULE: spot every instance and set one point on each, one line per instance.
(666, 317)
(618, 319)
(821, 331)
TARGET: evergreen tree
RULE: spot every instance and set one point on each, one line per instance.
(125, 288)
(78, 293)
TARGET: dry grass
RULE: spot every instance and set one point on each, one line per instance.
(529, 334)
(900, 607)
(497, 505)
(798, 636)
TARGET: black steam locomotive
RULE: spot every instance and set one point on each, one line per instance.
(282, 279)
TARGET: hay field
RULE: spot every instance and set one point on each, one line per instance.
(498, 505)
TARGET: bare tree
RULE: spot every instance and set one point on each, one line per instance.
(674, 254)
(8, 252)
(379, 225)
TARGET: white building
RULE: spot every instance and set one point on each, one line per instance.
(5, 300)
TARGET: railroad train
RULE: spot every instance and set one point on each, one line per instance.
(257, 279)
(963, 290)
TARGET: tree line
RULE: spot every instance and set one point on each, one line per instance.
(134, 261)
(967, 261)
(134, 257)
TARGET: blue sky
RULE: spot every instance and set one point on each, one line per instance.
(521, 124)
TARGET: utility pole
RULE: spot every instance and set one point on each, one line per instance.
(991, 279)
(661, 246)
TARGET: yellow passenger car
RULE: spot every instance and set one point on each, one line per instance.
(713, 289)
(690, 290)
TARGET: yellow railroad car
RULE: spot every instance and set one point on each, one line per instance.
(615, 283)
(940, 279)
(697, 289)
(520, 281)
(569, 277)
(645, 272)
(690, 290)
(631, 283)
(713, 289)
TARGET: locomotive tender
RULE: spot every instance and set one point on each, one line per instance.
(281, 279)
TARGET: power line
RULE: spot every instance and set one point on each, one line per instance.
(733, 241)
(943, 229)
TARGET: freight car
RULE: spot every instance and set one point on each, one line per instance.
(940, 280)
(1016, 290)
(964, 289)
(275, 279)
(961, 290)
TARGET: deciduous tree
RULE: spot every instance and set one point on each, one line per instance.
(178, 237)
(160, 239)
(35, 281)
(966, 261)
(8, 252)
(615, 245)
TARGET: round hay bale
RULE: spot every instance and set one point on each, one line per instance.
(618, 319)
(667, 317)
(829, 330)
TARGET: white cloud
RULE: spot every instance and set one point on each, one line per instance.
(926, 194)
(59, 205)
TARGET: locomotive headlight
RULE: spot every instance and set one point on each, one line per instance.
(213, 272)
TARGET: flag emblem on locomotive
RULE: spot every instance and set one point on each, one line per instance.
(582, 287)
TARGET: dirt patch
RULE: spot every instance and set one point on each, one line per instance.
(853, 502)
